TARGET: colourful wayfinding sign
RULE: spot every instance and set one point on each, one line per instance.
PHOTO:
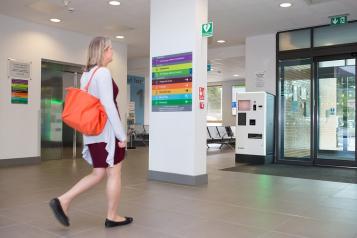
(172, 83)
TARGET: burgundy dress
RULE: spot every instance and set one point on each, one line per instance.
(97, 150)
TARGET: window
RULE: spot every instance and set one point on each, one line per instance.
(335, 35)
(214, 96)
(236, 89)
(293, 40)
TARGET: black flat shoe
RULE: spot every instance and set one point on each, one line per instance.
(109, 223)
(58, 211)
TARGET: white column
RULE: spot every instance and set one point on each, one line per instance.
(178, 133)
(260, 63)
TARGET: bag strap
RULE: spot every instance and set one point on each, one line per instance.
(91, 77)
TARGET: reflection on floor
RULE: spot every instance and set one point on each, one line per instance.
(232, 204)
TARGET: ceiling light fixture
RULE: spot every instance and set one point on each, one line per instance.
(235, 75)
(221, 41)
(285, 4)
(114, 3)
(55, 20)
(120, 37)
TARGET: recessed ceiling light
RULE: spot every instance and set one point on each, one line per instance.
(120, 37)
(55, 20)
(285, 4)
(235, 75)
(114, 3)
(221, 41)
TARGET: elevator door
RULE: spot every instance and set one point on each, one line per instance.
(58, 141)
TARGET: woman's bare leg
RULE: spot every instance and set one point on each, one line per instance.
(113, 192)
(83, 185)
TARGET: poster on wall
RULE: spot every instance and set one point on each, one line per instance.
(259, 80)
(19, 69)
(19, 91)
(137, 95)
(172, 83)
(19, 72)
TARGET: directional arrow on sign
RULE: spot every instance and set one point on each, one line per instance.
(335, 21)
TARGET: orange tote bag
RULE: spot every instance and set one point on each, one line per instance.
(84, 112)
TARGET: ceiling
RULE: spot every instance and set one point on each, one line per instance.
(234, 20)
(227, 69)
(91, 17)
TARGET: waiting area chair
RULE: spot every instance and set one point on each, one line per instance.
(141, 134)
(222, 135)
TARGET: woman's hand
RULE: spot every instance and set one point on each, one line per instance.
(122, 144)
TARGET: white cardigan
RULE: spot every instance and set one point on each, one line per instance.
(102, 88)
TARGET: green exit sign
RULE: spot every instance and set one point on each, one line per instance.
(207, 29)
(339, 20)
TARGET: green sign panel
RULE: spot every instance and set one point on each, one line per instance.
(339, 20)
(207, 29)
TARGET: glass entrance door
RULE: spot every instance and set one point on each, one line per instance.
(295, 107)
(336, 110)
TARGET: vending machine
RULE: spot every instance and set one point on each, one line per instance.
(255, 128)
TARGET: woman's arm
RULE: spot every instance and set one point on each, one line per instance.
(105, 91)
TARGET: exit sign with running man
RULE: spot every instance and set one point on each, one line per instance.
(338, 20)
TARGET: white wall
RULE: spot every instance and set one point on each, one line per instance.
(20, 124)
(260, 59)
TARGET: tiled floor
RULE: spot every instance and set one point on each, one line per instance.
(231, 205)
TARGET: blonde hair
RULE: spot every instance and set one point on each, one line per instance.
(95, 51)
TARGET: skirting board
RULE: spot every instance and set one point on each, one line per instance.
(20, 161)
(178, 178)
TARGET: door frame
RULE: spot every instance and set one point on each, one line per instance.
(76, 70)
(316, 160)
(280, 120)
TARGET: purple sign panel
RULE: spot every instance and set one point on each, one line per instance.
(172, 59)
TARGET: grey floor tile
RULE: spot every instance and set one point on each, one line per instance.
(164, 221)
(27, 212)
(214, 229)
(79, 221)
(341, 203)
(24, 231)
(203, 209)
(348, 192)
(254, 218)
(232, 204)
(274, 234)
(4, 221)
(330, 214)
(318, 229)
(130, 231)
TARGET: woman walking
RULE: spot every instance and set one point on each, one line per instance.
(106, 151)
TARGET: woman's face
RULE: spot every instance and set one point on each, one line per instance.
(108, 55)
